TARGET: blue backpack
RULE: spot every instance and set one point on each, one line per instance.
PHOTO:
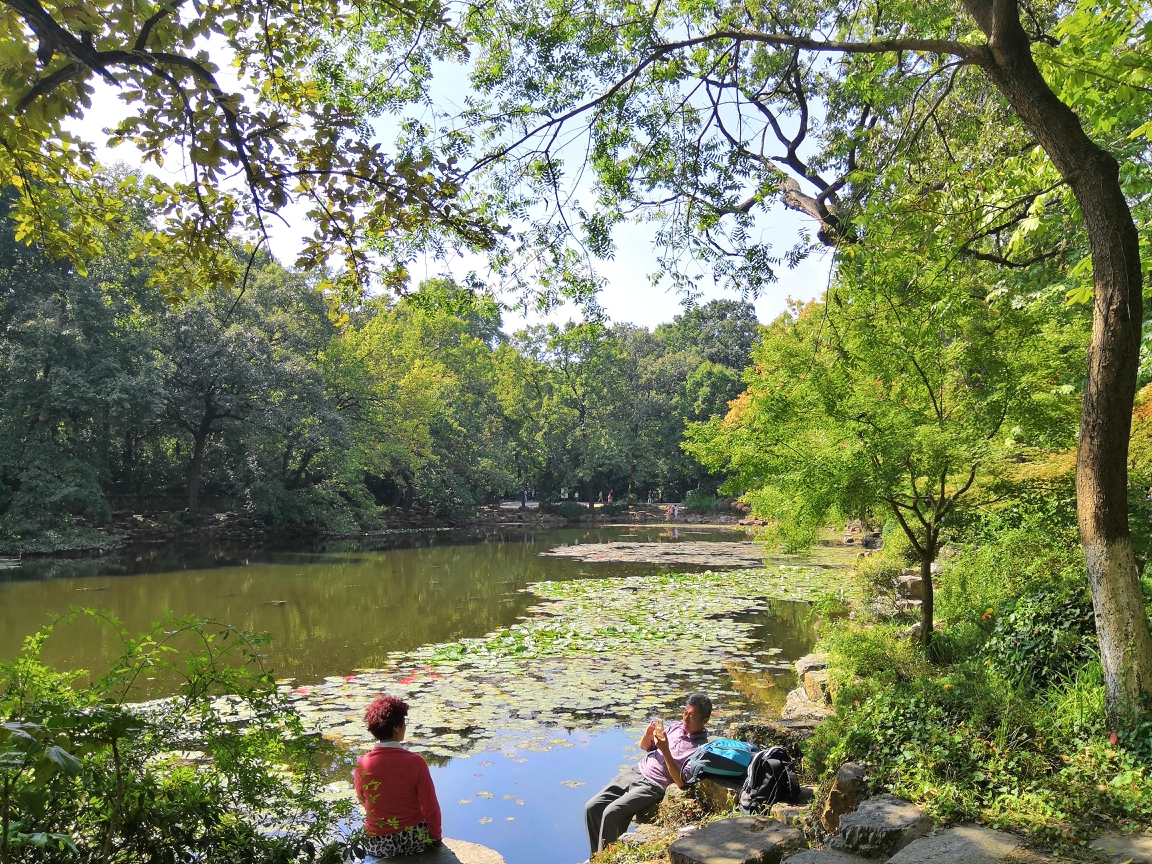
(721, 760)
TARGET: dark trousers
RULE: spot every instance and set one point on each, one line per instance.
(609, 811)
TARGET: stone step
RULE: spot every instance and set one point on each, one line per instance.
(453, 851)
(880, 827)
(742, 840)
(1136, 848)
(825, 856)
(964, 844)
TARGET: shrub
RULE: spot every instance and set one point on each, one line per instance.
(567, 509)
(698, 501)
(1045, 637)
(87, 776)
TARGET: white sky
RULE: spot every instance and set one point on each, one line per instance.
(628, 295)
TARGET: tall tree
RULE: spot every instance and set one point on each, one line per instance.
(703, 114)
(900, 398)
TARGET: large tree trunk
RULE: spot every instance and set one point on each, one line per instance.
(1113, 356)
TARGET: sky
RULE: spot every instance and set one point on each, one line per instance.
(628, 296)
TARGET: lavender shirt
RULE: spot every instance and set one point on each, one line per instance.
(681, 745)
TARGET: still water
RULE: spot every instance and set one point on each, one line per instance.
(340, 607)
(329, 610)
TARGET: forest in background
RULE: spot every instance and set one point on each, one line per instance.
(281, 403)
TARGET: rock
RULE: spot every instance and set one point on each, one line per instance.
(713, 796)
(743, 840)
(789, 814)
(823, 856)
(844, 796)
(797, 706)
(454, 852)
(1120, 847)
(910, 586)
(811, 663)
(643, 834)
(815, 684)
(964, 844)
(880, 826)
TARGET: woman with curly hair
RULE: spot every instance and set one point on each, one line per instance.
(401, 813)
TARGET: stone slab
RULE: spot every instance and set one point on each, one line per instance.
(742, 840)
(880, 827)
(811, 663)
(1136, 848)
(964, 844)
(451, 851)
(824, 856)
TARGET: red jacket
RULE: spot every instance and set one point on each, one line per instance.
(396, 791)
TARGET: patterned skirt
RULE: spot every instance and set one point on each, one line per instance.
(406, 842)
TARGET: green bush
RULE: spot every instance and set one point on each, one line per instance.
(697, 501)
(1045, 638)
(568, 509)
(1007, 724)
(223, 771)
(968, 746)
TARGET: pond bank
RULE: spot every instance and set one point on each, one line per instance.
(176, 527)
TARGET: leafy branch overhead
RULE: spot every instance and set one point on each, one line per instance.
(243, 97)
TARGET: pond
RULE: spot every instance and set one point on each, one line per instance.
(518, 742)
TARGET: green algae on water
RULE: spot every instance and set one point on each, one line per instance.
(593, 653)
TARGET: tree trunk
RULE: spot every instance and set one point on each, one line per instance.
(199, 442)
(927, 603)
(1113, 357)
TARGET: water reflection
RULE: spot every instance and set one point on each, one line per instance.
(332, 608)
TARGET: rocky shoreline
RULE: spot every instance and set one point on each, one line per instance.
(842, 822)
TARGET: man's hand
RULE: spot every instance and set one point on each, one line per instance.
(646, 739)
(660, 737)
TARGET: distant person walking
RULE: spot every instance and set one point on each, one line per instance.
(609, 496)
(600, 497)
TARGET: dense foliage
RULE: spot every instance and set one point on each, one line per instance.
(86, 776)
(1008, 725)
(278, 401)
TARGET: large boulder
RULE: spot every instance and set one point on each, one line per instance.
(964, 844)
(880, 827)
(845, 795)
(742, 840)
(815, 684)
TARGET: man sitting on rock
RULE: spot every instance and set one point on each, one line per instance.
(634, 790)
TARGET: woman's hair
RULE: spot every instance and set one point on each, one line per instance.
(384, 715)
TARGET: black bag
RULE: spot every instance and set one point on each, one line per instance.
(771, 778)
